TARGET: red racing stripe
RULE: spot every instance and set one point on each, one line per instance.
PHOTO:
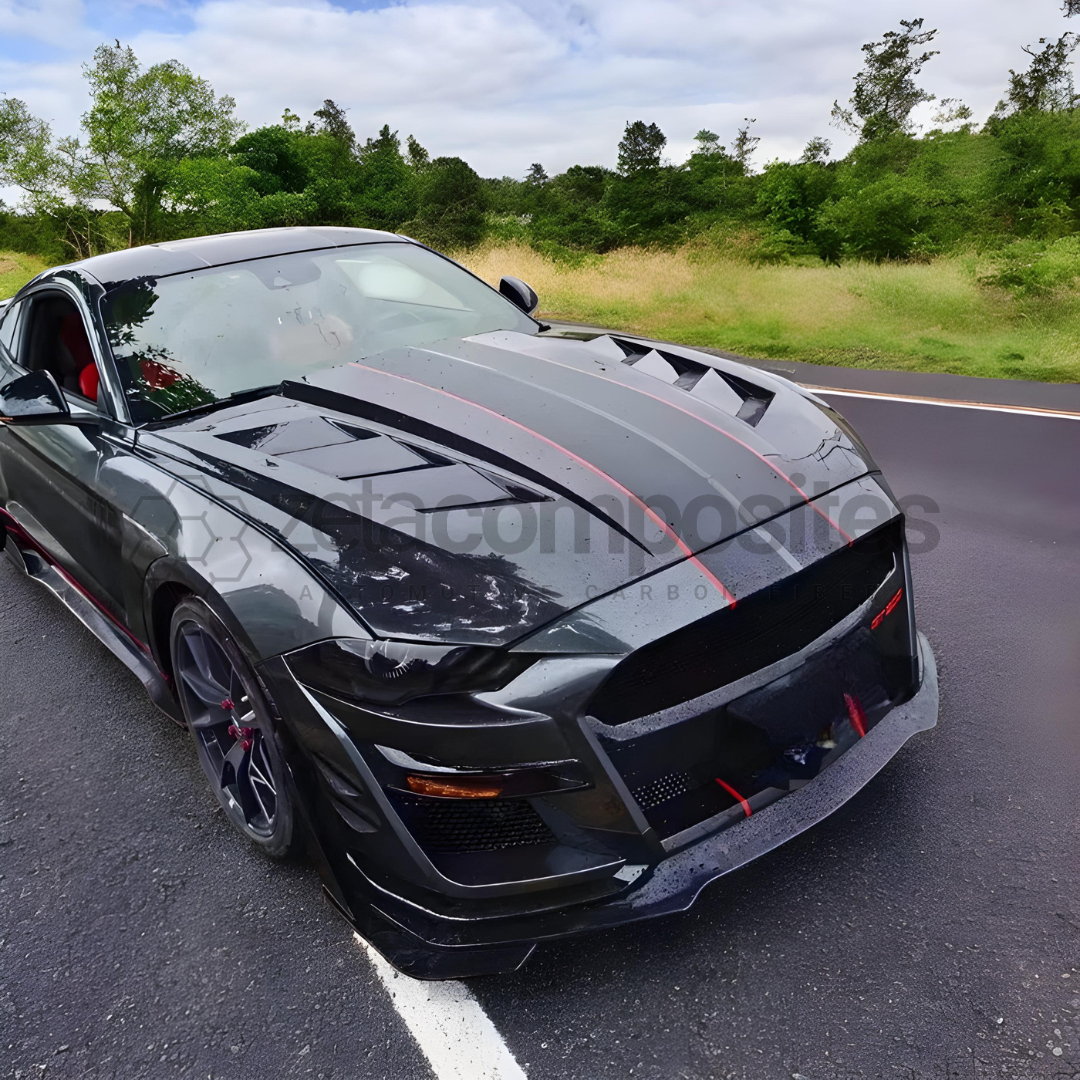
(650, 513)
(708, 423)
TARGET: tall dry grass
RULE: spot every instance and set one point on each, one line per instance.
(918, 316)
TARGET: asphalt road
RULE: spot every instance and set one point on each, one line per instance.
(929, 929)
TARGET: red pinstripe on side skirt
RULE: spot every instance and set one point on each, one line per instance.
(14, 527)
(649, 512)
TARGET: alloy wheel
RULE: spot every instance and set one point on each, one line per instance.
(233, 745)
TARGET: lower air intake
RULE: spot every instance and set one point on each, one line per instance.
(453, 826)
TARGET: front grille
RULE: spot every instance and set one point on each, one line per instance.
(758, 631)
(766, 742)
(447, 827)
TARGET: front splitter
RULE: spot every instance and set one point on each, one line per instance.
(426, 945)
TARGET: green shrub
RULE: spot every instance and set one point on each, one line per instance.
(886, 219)
(1031, 268)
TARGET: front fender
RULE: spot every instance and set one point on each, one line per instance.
(263, 591)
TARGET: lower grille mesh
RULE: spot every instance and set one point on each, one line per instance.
(458, 826)
(660, 791)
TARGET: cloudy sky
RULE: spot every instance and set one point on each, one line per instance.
(504, 83)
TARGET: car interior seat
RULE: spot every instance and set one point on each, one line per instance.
(58, 344)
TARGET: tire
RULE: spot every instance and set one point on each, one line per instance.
(235, 726)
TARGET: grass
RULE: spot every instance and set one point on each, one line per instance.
(16, 270)
(909, 316)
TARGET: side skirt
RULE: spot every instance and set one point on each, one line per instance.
(134, 656)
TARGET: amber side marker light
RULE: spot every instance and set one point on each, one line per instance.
(887, 610)
(459, 788)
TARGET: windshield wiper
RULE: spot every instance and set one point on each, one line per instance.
(238, 397)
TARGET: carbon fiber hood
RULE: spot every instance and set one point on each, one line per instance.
(480, 489)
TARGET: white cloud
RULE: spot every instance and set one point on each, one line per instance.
(504, 83)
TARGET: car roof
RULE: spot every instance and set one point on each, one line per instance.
(183, 256)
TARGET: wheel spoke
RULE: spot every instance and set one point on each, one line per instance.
(264, 771)
(267, 768)
(196, 645)
(232, 765)
(259, 799)
(208, 692)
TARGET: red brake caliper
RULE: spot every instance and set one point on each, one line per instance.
(243, 735)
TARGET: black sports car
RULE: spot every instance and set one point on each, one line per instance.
(520, 632)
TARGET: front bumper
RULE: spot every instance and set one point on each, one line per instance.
(426, 944)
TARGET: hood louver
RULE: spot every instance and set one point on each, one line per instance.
(743, 399)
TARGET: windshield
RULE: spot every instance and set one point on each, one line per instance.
(193, 339)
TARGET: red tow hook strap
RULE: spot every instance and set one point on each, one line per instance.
(735, 795)
(857, 715)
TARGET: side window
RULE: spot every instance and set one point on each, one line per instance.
(9, 328)
(55, 340)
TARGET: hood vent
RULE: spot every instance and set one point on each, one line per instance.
(737, 396)
(347, 452)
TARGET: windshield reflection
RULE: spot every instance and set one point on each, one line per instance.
(192, 339)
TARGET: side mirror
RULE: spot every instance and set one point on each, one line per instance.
(34, 399)
(517, 292)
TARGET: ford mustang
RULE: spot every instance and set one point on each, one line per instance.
(518, 631)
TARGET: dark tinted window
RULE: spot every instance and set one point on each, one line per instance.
(192, 339)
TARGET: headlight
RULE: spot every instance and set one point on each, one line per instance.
(391, 672)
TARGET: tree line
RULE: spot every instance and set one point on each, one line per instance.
(160, 155)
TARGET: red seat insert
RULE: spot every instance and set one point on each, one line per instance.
(73, 336)
(88, 382)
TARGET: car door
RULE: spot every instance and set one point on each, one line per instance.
(53, 477)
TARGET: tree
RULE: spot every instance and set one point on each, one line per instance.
(416, 155)
(816, 151)
(55, 178)
(1071, 7)
(952, 111)
(885, 90)
(386, 143)
(274, 155)
(792, 196)
(640, 147)
(330, 120)
(708, 143)
(25, 143)
(384, 194)
(536, 176)
(452, 204)
(1047, 85)
(142, 121)
(745, 144)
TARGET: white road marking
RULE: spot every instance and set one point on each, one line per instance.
(448, 1024)
(982, 405)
